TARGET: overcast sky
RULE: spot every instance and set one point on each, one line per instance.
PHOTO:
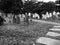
(42, 0)
(47, 0)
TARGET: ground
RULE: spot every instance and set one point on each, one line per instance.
(22, 34)
(54, 19)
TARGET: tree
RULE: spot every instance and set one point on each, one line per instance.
(27, 6)
(50, 6)
(11, 5)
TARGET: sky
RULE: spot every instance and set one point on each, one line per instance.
(42, 0)
(47, 0)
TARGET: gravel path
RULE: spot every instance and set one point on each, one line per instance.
(54, 23)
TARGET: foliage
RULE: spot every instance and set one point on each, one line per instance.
(37, 7)
(10, 5)
(16, 6)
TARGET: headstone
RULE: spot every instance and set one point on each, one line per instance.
(7, 20)
(47, 15)
(54, 13)
(50, 14)
(36, 15)
(43, 16)
(33, 15)
(58, 13)
(18, 20)
(29, 14)
(14, 19)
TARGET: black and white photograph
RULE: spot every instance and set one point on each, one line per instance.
(29, 22)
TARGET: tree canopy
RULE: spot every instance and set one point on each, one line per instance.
(10, 5)
(16, 6)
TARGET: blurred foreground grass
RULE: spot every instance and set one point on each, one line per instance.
(24, 35)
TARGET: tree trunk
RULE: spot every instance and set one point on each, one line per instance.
(26, 19)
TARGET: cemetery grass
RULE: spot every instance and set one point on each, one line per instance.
(26, 35)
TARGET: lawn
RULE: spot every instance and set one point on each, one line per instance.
(23, 34)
